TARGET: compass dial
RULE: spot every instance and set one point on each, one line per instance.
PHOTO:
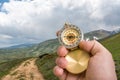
(70, 36)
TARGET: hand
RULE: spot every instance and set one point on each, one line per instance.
(100, 66)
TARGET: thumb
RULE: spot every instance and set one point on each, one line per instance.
(92, 47)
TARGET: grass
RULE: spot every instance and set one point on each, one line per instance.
(113, 45)
(31, 76)
(15, 73)
(117, 63)
(46, 63)
(6, 67)
(21, 77)
(26, 63)
(45, 66)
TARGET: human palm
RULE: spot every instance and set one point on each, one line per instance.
(100, 66)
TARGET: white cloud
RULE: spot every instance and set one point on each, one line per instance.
(3, 36)
(95, 10)
(71, 4)
(5, 40)
(25, 16)
(38, 20)
(22, 12)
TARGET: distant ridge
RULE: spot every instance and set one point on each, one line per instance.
(20, 46)
(45, 47)
(99, 34)
(46, 62)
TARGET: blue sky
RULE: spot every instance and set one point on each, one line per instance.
(31, 21)
(2, 1)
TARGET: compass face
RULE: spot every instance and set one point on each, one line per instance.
(70, 36)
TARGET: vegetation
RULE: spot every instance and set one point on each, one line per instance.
(13, 54)
(5, 67)
(47, 55)
(113, 45)
(48, 47)
(45, 66)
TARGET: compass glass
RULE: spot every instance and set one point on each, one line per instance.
(70, 37)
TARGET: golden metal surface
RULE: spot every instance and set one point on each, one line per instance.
(70, 37)
(77, 61)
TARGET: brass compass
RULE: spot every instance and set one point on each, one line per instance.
(70, 36)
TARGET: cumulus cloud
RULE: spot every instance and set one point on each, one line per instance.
(2, 36)
(38, 20)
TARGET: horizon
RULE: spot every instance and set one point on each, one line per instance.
(34, 43)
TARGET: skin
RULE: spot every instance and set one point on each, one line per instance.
(100, 66)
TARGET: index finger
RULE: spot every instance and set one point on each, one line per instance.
(62, 51)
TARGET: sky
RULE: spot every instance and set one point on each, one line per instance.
(34, 21)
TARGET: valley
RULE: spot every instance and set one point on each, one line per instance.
(37, 61)
(27, 70)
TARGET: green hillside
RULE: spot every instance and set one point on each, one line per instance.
(113, 45)
(46, 63)
(5, 67)
(13, 54)
(46, 47)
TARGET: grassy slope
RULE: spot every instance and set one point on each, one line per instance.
(113, 45)
(5, 67)
(13, 54)
(46, 63)
(46, 47)
(45, 66)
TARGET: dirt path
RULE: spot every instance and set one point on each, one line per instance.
(26, 71)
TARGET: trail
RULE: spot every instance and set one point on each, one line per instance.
(26, 71)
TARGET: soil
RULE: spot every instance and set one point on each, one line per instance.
(25, 71)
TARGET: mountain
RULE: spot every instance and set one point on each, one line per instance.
(21, 46)
(12, 54)
(97, 34)
(112, 43)
(50, 46)
(47, 62)
(116, 31)
(24, 51)
(46, 47)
